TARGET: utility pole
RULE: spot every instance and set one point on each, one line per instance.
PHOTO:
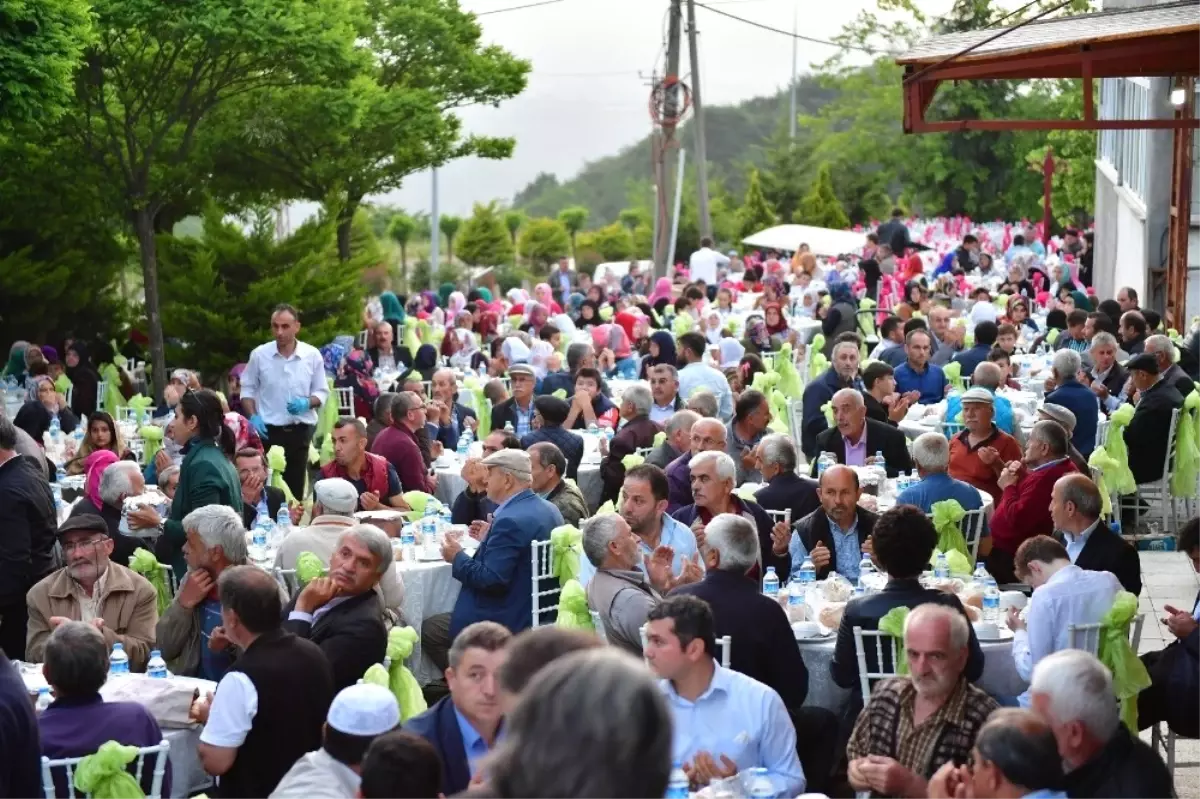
(698, 126)
(435, 236)
(792, 118)
(666, 136)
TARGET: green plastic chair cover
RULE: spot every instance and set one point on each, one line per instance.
(606, 312)
(1187, 455)
(328, 412)
(152, 438)
(781, 421)
(409, 337)
(397, 678)
(957, 561)
(112, 398)
(1001, 303)
(659, 438)
(947, 518)
(827, 409)
(515, 320)
(308, 568)
(892, 624)
(1106, 472)
(631, 460)
(566, 549)
(103, 774)
(683, 323)
(790, 384)
(866, 322)
(141, 403)
(144, 563)
(417, 500)
(817, 362)
(744, 493)
(573, 608)
(1052, 335)
(277, 462)
(559, 393)
(607, 507)
(1121, 480)
(953, 373)
(826, 300)
(483, 408)
(63, 384)
(1129, 675)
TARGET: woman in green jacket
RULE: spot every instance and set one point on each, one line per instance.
(206, 477)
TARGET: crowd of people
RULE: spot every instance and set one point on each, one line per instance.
(723, 489)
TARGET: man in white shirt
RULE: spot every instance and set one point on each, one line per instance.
(697, 374)
(705, 262)
(359, 714)
(1063, 594)
(664, 389)
(283, 385)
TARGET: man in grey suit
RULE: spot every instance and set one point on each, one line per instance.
(679, 432)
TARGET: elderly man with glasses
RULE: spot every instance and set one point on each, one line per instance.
(398, 443)
(120, 603)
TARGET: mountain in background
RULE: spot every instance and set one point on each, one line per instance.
(736, 138)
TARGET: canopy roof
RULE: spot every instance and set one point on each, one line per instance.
(822, 241)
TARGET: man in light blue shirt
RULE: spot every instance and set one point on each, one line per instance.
(1063, 594)
(697, 374)
(724, 721)
(931, 454)
(990, 376)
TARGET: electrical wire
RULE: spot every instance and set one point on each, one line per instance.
(516, 8)
(786, 33)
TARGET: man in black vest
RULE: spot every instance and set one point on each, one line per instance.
(270, 706)
(342, 613)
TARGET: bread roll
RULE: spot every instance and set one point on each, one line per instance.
(973, 613)
(973, 598)
(831, 614)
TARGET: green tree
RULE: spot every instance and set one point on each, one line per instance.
(544, 241)
(41, 46)
(820, 207)
(573, 219)
(214, 288)
(484, 239)
(449, 224)
(612, 242)
(632, 217)
(755, 213)
(1074, 183)
(156, 73)
(785, 173)
(513, 220)
(401, 230)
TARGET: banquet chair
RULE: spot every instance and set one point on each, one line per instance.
(725, 644)
(1087, 636)
(541, 555)
(795, 411)
(360, 340)
(162, 750)
(287, 580)
(643, 451)
(1157, 491)
(70, 393)
(1101, 433)
(598, 623)
(427, 389)
(345, 401)
(950, 429)
(864, 676)
(972, 527)
(101, 393)
(169, 576)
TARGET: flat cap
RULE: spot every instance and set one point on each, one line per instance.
(980, 395)
(515, 461)
(1146, 362)
(91, 522)
(521, 369)
(1057, 413)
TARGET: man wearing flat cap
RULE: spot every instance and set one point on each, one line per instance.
(518, 409)
(1148, 431)
(497, 581)
(118, 602)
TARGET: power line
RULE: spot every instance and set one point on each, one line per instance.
(516, 8)
(789, 34)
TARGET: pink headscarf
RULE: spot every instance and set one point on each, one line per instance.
(611, 337)
(662, 288)
(543, 294)
(94, 465)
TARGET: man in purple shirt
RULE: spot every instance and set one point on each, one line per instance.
(398, 443)
(708, 435)
(79, 720)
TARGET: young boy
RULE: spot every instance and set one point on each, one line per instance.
(1006, 338)
(1075, 337)
(1001, 358)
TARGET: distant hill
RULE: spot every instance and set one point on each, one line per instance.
(736, 136)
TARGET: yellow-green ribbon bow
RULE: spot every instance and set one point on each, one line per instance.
(560, 393)
(892, 624)
(483, 408)
(1001, 303)
(606, 312)
(417, 500)
(607, 507)
(682, 324)
(277, 462)
(112, 398)
(1106, 471)
(744, 492)
(1052, 335)
(790, 384)
(817, 362)
(1122, 480)
(308, 568)
(144, 563)
(409, 337)
(397, 678)
(141, 404)
(573, 610)
(631, 460)
(63, 384)
(953, 373)
(152, 438)
(956, 561)
(827, 409)
(1187, 454)
(947, 518)
(103, 775)
(566, 548)
(659, 438)
(1129, 675)
(866, 321)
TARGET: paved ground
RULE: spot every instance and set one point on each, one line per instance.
(1168, 579)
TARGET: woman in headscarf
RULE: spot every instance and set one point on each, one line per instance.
(517, 298)
(234, 391)
(628, 321)
(712, 326)
(539, 354)
(443, 295)
(102, 433)
(455, 305)
(84, 379)
(536, 317)
(356, 375)
(777, 326)
(730, 352)
(589, 315)
(573, 302)
(484, 292)
(1017, 313)
(393, 310)
(16, 360)
(543, 294)
(93, 466)
(425, 362)
(661, 350)
(757, 338)
(42, 405)
(841, 316)
(613, 338)
(467, 355)
(595, 293)
(488, 325)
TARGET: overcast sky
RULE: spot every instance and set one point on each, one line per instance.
(587, 93)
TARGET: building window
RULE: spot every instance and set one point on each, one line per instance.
(1125, 150)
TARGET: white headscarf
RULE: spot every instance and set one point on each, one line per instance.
(538, 354)
(731, 352)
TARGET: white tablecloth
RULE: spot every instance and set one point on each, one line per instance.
(999, 678)
(429, 589)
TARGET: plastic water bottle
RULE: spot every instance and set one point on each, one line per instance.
(508, 427)
(283, 522)
(797, 592)
(760, 784)
(808, 573)
(464, 443)
(824, 461)
(865, 567)
(118, 661)
(55, 429)
(677, 784)
(991, 601)
(593, 430)
(941, 569)
(443, 519)
(156, 666)
(44, 699)
(429, 522)
(981, 575)
(771, 583)
(608, 434)
(60, 474)
(261, 525)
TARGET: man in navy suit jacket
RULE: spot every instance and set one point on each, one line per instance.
(463, 726)
(497, 583)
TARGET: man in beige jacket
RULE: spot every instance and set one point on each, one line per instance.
(120, 603)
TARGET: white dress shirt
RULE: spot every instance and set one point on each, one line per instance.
(704, 263)
(1077, 541)
(271, 380)
(701, 375)
(1071, 596)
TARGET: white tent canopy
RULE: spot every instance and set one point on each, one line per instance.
(822, 241)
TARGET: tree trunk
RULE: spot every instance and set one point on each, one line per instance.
(514, 242)
(343, 237)
(449, 251)
(404, 265)
(143, 225)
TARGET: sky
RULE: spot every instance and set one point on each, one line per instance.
(588, 91)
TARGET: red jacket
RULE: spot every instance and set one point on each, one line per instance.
(399, 447)
(1024, 508)
(374, 473)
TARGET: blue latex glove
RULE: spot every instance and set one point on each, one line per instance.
(298, 406)
(259, 425)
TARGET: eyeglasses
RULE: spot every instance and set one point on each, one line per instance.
(68, 548)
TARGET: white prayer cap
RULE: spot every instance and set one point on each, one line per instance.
(364, 709)
(336, 495)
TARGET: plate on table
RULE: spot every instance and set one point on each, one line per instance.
(1002, 634)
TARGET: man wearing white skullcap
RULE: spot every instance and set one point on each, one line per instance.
(359, 714)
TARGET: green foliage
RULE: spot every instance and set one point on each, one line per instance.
(544, 241)
(513, 222)
(421, 277)
(632, 217)
(449, 225)
(612, 242)
(216, 291)
(820, 207)
(1074, 183)
(41, 45)
(484, 239)
(573, 219)
(512, 277)
(785, 174)
(400, 230)
(756, 213)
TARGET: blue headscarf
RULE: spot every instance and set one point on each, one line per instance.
(839, 291)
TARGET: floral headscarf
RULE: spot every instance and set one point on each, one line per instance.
(756, 331)
(333, 354)
(32, 384)
(240, 428)
(357, 374)
(536, 314)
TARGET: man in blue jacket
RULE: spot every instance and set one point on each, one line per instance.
(843, 373)
(497, 583)
(1077, 398)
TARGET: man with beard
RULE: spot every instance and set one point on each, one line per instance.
(375, 479)
(120, 603)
